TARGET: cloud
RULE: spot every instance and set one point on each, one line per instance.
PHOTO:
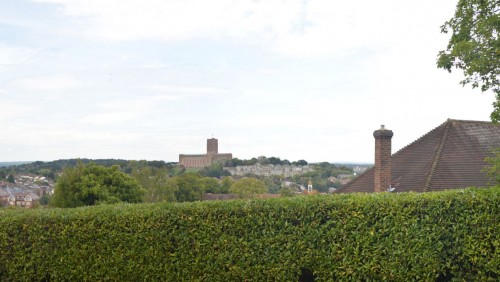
(103, 119)
(12, 55)
(298, 28)
(54, 135)
(176, 91)
(155, 19)
(10, 111)
(46, 83)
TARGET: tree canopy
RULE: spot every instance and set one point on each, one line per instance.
(157, 183)
(51, 169)
(91, 184)
(493, 168)
(248, 186)
(189, 188)
(474, 46)
(263, 160)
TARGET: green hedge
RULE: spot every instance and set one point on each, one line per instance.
(452, 235)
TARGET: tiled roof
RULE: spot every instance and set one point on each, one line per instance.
(449, 156)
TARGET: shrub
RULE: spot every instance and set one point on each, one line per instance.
(442, 236)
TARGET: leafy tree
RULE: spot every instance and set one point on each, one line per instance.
(209, 185)
(321, 184)
(46, 172)
(159, 187)
(11, 178)
(234, 162)
(474, 46)
(274, 161)
(44, 200)
(252, 161)
(189, 187)
(493, 169)
(263, 160)
(226, 184)
(167, 191)
(287, 191)
(273, 183)
(248, 186)
(300, 162)
(91, 184)
(214, 170)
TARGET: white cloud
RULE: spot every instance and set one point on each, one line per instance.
(12, 55)
(46, 83)
(9, 111)
(294, 28)
(106, 119)
(340, 27)
(176, 91)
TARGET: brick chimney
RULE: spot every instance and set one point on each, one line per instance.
(383, 174)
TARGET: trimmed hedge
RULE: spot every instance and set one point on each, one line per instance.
(442, 236)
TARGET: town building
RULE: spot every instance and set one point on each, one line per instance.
(26, 191)
(18, 198)
(268, 170)
(199, 161)
(448, 157)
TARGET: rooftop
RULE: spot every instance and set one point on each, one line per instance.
(449, 156)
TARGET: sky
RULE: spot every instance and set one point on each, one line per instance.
(294, 79)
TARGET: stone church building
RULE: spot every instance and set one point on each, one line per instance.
(199, 161)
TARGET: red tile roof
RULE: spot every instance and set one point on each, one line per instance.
(449, 156)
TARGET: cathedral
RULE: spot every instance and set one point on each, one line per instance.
(199, 161)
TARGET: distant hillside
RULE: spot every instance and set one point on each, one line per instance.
(4, 164)
(50, 169)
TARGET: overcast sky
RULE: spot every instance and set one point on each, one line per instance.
(150, 79)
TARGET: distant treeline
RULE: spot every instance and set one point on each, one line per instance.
(4, 164)
(51, 169)
(263, 161)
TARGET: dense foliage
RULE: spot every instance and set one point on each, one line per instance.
(158, 185)
(493, 167)
(474, 46)
(442, 236)
(248, 186)
(51, 169)
(263, 160)
(91, 184)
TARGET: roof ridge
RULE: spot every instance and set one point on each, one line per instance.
(450, 122)
(421, 137)
(437, 158)
(468, 121)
